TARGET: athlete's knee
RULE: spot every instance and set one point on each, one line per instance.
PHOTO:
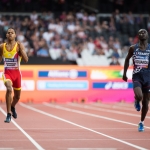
(9, 89)
(17, 97)
(145, 103)
(139, 97)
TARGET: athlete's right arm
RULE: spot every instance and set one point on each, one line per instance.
(126, 63)
(1, 52)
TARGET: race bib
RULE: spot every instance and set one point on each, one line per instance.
(142, 62)
(11, 63)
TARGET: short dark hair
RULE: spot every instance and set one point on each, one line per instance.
(11, 28)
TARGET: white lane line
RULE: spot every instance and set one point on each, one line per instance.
(80, 126)
(115, 106)
(105, 110)
(91, 149)
(26, 134)
(75, 139)
(112, 106)
(6, 148)
(64, 129)
(129, 105)
(89, 114)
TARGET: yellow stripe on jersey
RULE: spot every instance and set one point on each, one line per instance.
(11, 58)
(5, 80)
(9, 54)
(16, 88)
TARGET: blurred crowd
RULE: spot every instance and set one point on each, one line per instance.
(69, 33)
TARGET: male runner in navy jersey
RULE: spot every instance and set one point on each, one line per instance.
(140, 54)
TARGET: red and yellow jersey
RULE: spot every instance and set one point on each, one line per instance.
(12, 67)
(11, 58)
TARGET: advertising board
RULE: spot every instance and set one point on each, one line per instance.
(59, 83)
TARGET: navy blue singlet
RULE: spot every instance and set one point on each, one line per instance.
(141, 59)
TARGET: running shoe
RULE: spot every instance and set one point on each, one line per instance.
(14, 114)
(141, 127)
(8, 118)
(137, 105)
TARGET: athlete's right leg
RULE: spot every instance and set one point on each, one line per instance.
(138, 94)
(138, 98)
(8, 96)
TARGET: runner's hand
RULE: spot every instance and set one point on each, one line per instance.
(125, 78)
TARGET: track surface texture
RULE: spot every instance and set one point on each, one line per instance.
(74, 126)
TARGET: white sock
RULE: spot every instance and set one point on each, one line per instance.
(141, 122)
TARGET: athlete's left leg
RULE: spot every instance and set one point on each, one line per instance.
(17, 92)
(145, 103)
(16, 98)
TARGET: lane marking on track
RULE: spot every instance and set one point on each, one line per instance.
(80, 126)
(91, 149)
(113, 106)
(131, 105)
(26, 134)
(34, 129)
(6, 148)
(121, 106)
(89, 114)
(105, 110)
(78, 139)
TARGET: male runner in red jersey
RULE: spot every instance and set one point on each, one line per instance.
(12, 51)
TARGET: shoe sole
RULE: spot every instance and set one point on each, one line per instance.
(138, 109)
(141, 131)
(14, 117)
(7, 121)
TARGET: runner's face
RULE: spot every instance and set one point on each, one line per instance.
(143, 35)
(11, 35)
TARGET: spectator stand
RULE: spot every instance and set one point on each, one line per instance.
(81, 37)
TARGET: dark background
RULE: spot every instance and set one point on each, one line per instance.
(102, 6)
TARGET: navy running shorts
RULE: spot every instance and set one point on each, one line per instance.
(142, 80)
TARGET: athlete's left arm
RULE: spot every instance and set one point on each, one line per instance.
(1, 52)
(22, 52)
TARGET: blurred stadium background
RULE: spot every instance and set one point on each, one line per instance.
(76, 48)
